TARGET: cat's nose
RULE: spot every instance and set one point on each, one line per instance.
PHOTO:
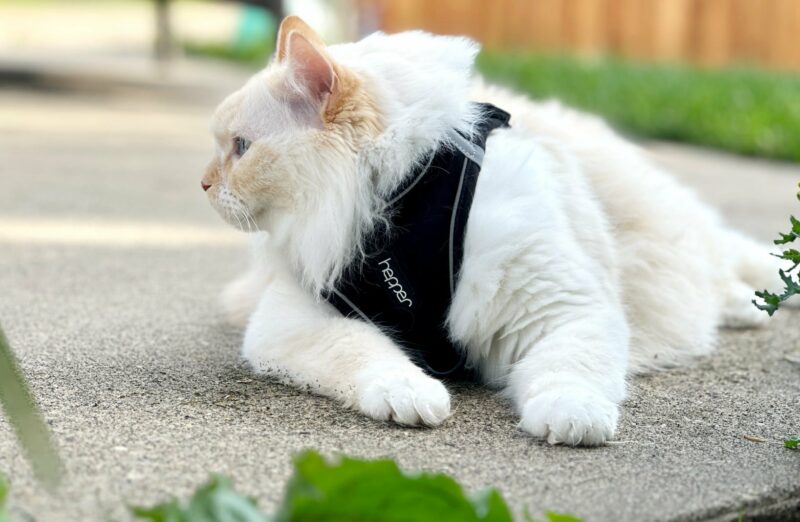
(205, 186)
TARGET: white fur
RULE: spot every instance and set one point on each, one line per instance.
(583, 262)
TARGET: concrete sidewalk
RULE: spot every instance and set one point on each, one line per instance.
(110, 263)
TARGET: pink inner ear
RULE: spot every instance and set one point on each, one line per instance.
(310, 67)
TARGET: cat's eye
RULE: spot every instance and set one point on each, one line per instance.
(240, 145)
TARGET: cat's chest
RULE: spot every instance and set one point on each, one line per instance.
(407, 282)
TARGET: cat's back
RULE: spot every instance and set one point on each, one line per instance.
(637, 195)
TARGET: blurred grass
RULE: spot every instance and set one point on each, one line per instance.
(744, 111)
(251, 45)
(253, 54)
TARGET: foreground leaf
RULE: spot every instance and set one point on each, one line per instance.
(551, 516)
(792, 255)
(350, 490)
(3, 494)
(344, 490)
(795, 225)
(792, 443)
(215, 501)
(786, 238)
(560, 517)
(770, 302)
(24, 417)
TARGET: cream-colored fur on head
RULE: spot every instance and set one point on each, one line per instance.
(583, 261)
(309, 176)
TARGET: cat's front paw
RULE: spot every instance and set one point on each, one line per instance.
(408, 397)
(576, 416)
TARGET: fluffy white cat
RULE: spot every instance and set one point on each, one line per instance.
(583, 263)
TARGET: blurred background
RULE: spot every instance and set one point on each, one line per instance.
(712, 72)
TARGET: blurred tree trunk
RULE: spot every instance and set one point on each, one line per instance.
(275, 7)
(164, 44)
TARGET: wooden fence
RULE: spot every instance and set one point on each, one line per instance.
(708, 32)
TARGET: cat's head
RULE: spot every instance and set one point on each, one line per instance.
(311, 146)
(290, 135)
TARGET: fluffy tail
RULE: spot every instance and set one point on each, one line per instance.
(753, 269)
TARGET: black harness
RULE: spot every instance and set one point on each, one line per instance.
(408, 279)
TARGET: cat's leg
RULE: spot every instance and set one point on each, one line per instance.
(305, 343)
(538, 305)
(240, 297)
(544, 320)
(568, 386)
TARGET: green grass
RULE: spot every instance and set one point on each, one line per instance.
(253, 54)
(740, 110)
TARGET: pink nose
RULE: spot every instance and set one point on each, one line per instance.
(205, 185)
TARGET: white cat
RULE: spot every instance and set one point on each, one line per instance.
(583, 263)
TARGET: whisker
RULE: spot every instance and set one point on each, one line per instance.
(239, 221)
(252, 219)
(248, 219)
(239, 211)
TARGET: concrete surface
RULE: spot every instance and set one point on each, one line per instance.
(110, 264)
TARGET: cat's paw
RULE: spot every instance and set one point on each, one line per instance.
(408, 397)
(576, 416)
(240, 298)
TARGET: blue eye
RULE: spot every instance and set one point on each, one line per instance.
(240, 145)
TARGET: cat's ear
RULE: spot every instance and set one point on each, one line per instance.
(294, 24)
(311, 68)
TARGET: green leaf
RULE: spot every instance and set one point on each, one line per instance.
(794, 234)
(215, 501)
(792, 255)
(25, 418)
(786, 238)
(795, 225)
(487, 502)
(792, 443)
(3, 495)
(553, 517)
(560, 517)
(347, 490)
(344, 490)
(771, 302)
(792, 287)
(167, 512)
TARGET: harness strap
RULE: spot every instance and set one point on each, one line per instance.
(407, 281)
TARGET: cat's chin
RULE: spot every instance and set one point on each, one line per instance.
(233, 210)
(242, 222)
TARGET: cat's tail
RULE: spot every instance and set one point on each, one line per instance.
(752, 269)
